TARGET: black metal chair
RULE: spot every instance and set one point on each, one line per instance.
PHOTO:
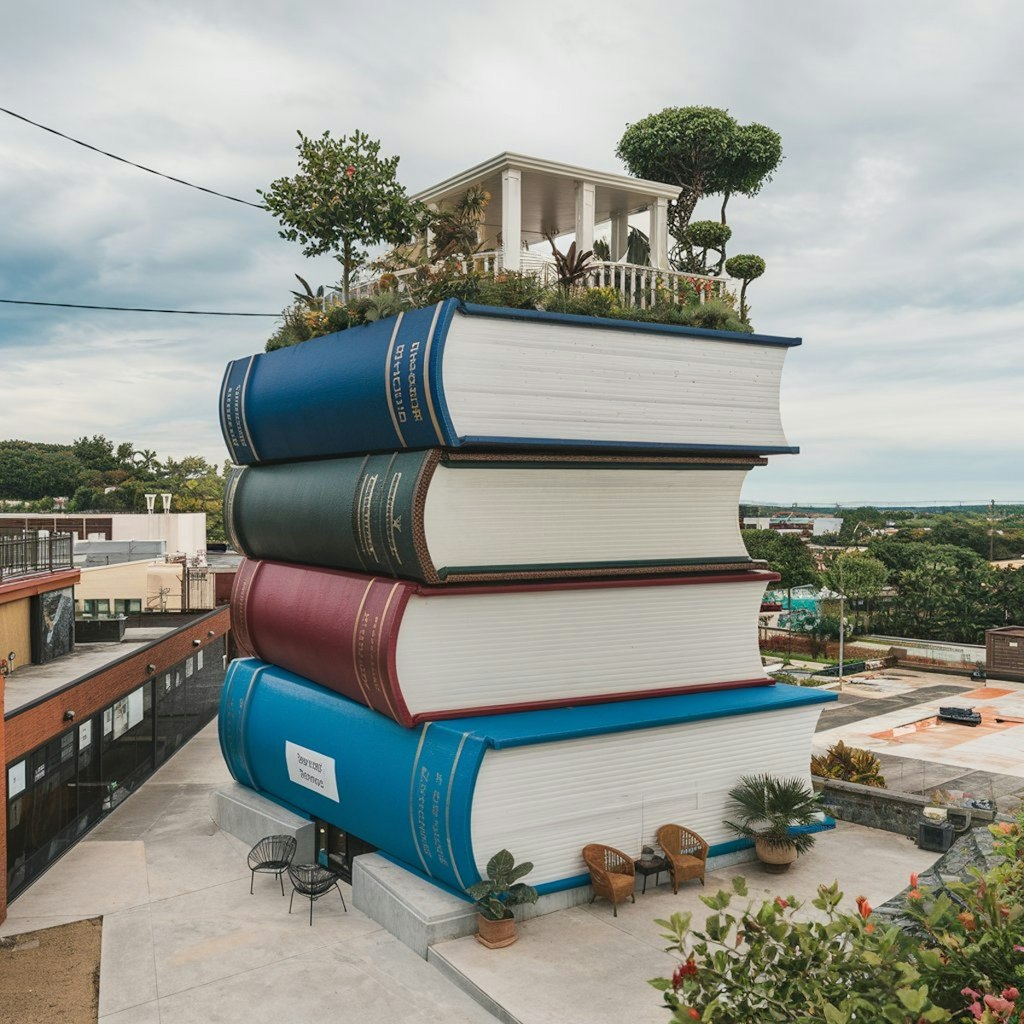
(313, 881)
(271, 855)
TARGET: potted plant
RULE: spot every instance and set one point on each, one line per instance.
(496, 895)
(767, 808)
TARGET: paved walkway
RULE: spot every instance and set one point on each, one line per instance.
(184, 942)
(584, 964)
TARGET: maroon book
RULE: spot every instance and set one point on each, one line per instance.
(418, 653)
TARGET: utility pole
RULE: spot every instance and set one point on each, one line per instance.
(991, 529)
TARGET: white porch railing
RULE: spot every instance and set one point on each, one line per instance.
(637, 285)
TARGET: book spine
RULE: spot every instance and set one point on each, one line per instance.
(368, 389)
(407, 792)
(337, 629)
(355, 513)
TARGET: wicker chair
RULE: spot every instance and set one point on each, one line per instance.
(612, 874)
(314, 881)
(271, 855)
(686, 852)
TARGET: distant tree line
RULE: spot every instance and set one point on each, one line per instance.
(96, 475)
(927, 583)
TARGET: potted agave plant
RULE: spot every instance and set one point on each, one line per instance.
(496, 895)
(767, 808)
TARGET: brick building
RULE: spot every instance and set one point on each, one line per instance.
(84, 724)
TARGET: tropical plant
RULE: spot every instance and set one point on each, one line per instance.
(746, 268)
(849, 764)
(456, 230)
(345, 198)
(768, 808)
(309, 298)
(500, 891)
(638, 249)
(571, 266)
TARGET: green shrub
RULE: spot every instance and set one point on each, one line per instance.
(849, 764)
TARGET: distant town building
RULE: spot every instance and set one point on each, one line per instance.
(801, 525)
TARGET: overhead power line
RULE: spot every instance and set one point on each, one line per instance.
(132, 309)
(132, 163)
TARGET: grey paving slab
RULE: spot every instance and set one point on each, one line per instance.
(127, 961)
(144, 1013)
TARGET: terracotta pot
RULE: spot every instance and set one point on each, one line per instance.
(776, 859)
(495, 934)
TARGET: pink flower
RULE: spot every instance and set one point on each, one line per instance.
(781, 903)
(1010, 993)
(998, 1005)
(694, 1013)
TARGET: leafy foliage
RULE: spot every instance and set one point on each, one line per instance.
(571, 266)
(785, 554)
(747, 268)
(702, 237)
(760, 965)
(456, 231)
(960, 956)
(501, 890)
(768, 807)
(849, 764)
(856, 575)
(345, 198)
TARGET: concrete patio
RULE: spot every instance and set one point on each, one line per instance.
(184, 941)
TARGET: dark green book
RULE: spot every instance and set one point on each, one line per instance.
(452, 517)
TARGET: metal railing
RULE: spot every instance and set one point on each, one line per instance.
(29, 554)
(637, 285)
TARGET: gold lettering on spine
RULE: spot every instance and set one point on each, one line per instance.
(379, 679)
(367, 487)
(394, 523)
(241, 403)
(359, 641)
(229, 510)
(242, 605)
(416, 800)
(426, 371)
(391, 375)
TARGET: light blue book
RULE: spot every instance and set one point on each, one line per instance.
(444, 797)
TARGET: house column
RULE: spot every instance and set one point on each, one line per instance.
(620, 235)
(428, 236)
(584, 215)
(511, 218)
(659, 233)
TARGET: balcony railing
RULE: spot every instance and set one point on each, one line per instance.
(637, 285)
(29, 554)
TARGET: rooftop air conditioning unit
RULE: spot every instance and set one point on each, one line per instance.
(937, 837)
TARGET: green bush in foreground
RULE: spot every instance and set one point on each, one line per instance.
(961, 957)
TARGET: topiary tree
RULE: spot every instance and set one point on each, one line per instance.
(705, 152)
(702, 237)
(345, 198)
(747, 268)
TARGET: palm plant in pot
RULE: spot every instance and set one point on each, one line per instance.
(767, 808)
(496, 895)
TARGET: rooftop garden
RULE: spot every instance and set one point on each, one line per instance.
(346, 201)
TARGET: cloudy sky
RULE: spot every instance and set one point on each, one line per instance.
(893, 232)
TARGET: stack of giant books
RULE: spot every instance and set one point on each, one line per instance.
(495, 593)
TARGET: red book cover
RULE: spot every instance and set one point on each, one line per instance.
(340, 629)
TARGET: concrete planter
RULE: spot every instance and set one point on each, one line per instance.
(496, 934)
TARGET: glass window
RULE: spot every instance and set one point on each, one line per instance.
(93, 608)
(127, 605)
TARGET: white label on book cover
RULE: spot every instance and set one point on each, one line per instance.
(314, 771)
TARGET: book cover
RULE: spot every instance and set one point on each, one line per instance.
(457, 517)
(460, 375)
(446, 796)
(418, 653)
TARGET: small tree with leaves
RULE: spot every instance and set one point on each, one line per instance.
(747, 268)
(345, 198)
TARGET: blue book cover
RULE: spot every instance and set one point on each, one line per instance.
(444, 797)
(457, 375)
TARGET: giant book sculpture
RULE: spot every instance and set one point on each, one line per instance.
(417, 653)
(442, 798)
(454, 517)
(457, 375)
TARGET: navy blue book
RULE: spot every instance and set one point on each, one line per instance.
(463, 376)
(444, 797)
